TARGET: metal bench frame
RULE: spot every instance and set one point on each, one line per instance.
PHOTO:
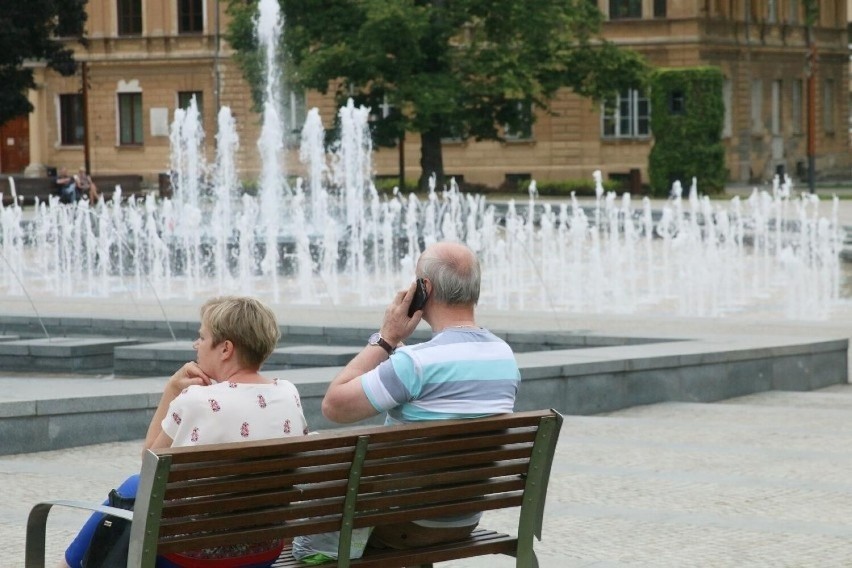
(192, 498)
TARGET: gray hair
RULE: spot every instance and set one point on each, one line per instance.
(455, 278)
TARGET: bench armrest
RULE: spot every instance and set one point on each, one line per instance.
(37, 523)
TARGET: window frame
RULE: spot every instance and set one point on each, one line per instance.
(296, 111)
(526, 111)
(129, 17)
(190, 17)
(625, 9)
(72, 125)
(828, 106)
(756, 107)
(137, 132)
(728, 101)
(184, 98)
(612, 119)
(797, 100)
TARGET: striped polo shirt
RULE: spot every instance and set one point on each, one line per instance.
(459, 373)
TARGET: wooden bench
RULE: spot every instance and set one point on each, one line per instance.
(193, 498)
(29, 190)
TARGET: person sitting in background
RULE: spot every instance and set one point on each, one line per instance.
(66, 188)
(85, 185)
(220, 397)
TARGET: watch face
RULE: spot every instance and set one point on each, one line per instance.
(374, 339)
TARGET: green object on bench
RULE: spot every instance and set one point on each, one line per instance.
(193, 498)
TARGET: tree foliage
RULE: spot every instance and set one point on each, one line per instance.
(461, 68)
(30, 31)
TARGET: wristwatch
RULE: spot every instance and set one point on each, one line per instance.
(377, 339)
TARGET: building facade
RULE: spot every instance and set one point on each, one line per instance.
(146, 58)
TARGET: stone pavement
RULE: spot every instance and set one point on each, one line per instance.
(761, 480)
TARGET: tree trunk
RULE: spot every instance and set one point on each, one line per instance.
(431, 159)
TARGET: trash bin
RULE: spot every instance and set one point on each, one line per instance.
(165, 185)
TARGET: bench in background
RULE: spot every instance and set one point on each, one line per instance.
(29, 189)
(196, 497)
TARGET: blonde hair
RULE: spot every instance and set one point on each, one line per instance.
(247, 322)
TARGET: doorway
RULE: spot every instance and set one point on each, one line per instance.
(15, 145)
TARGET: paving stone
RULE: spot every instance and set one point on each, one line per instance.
(760, 480)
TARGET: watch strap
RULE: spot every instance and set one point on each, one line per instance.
(377, 339)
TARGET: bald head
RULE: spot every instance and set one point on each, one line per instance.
(454, 272)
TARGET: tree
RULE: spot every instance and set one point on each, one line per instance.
(461, 68)
(32, 31)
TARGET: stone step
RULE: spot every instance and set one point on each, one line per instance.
(60, 354)
(164, 358)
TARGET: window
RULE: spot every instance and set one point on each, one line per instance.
(129, 119)
(796, 106)
(828, 106)
(793, 12)
(523, 130)
(757, 106)
(728, 100)
(659, 8)
(185, 97)
(626, 116)
(776, 108)
(772, 11)
(677, 102)
(619, 9)
(129, 17)
(71, 125)
(190, 16)
(295, 112)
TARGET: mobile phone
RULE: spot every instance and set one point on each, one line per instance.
(419, 299)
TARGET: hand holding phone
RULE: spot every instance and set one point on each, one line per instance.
(420, 297)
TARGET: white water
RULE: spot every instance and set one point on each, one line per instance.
(331, 238)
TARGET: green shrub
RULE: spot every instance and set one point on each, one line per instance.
(687, 120)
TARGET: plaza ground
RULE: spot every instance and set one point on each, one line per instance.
(760, 480)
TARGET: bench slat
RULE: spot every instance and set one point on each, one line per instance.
(463, 443)
(487, 503)
(249, 484)
(204, 505)
(422, 498)
(259, 465)
(333, 440)
(443, 462)
(481, 542)
(497, 469)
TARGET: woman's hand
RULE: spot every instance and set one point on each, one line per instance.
(188, 375)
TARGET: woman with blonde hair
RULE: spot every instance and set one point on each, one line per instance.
(220, 397)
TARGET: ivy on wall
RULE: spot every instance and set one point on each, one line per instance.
(687, 124)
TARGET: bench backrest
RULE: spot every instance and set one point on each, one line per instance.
(256, 491)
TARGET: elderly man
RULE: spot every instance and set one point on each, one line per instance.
(464, 371)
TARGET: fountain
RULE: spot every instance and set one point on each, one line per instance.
(329, 237)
